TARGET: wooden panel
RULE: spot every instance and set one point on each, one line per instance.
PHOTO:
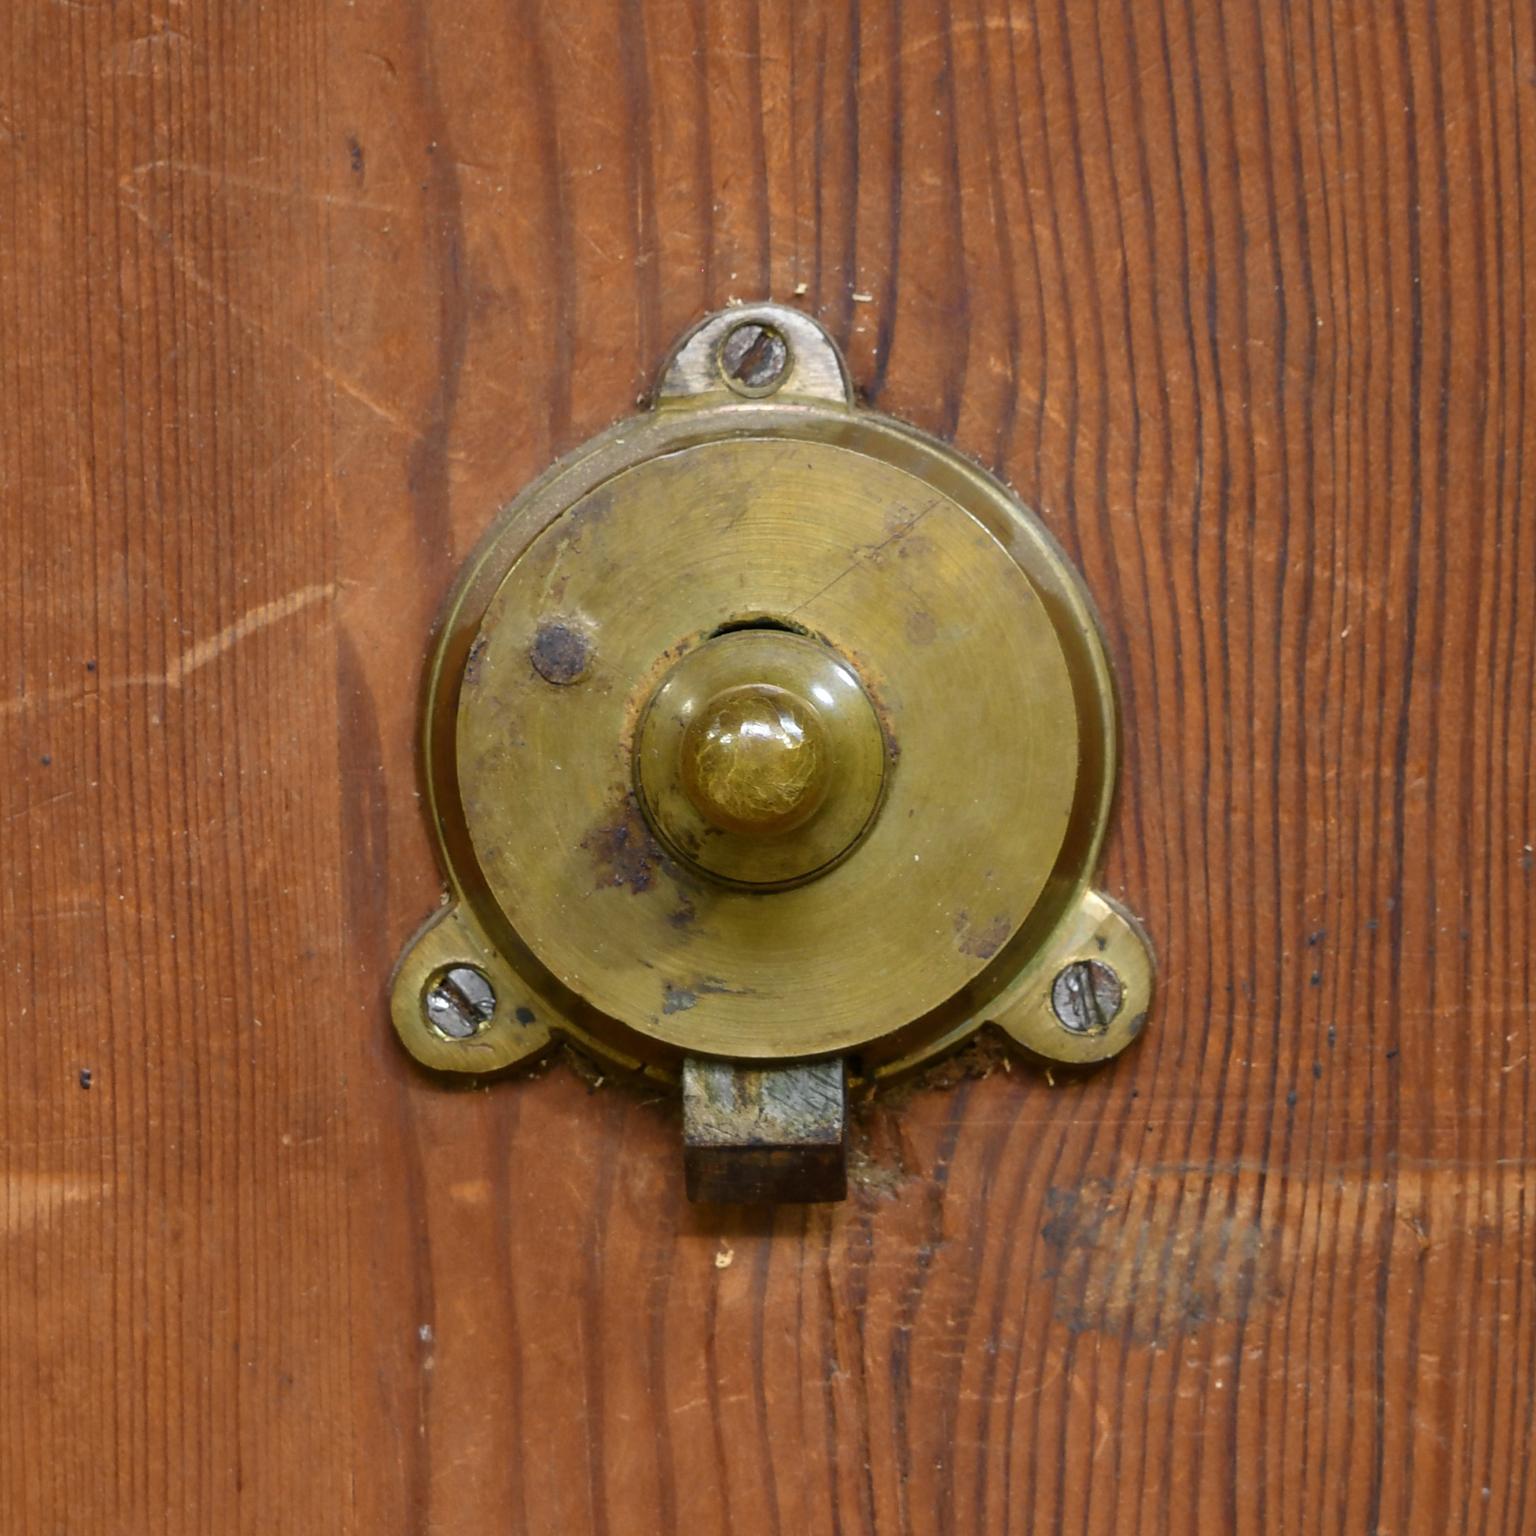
(292, 298)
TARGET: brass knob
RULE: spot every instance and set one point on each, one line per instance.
(760, 759)
(755, 761)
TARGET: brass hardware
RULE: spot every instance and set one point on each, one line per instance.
(765, 732)
(760, 759)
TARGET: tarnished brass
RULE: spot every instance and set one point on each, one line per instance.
(767, 729)
(760, 759)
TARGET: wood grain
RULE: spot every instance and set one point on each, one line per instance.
(291, 298)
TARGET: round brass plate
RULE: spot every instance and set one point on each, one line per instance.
(663, 842)
(946, 634)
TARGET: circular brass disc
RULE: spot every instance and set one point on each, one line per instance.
(948, 638)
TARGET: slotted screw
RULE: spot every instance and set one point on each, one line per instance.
(754, 357)
(1086, 996)
(460, 1003)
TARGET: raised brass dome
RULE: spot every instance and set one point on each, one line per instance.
(754, 760)
(760, 760)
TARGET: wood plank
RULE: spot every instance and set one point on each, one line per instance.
(291, 299)
(173, 1220)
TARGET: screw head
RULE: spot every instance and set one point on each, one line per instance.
(1086, 996)
(460, 1002)
(754, 358)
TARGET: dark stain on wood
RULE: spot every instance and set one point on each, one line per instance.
(1151, 1264)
